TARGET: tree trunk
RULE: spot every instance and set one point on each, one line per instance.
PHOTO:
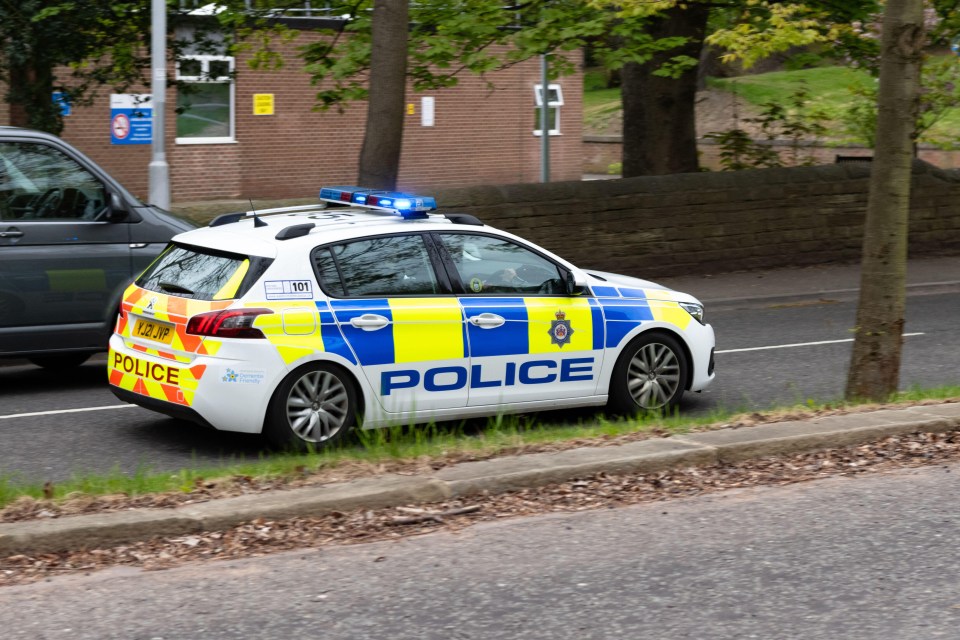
(30, 95)
(383, 136)
(875, 364)
(659, 116)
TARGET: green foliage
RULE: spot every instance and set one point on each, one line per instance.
(738, 151)
(795, 119)
(939, 101)
(446, 40)
(101, 42)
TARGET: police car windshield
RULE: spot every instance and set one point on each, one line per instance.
(193, 272)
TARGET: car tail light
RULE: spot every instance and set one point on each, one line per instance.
(229, 323)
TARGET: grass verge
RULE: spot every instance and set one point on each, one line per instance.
(501, 435)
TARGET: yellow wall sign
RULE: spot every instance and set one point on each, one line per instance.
(263, 104)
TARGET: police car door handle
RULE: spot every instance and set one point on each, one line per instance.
(487, 320)
(370, 322)
(12, 232)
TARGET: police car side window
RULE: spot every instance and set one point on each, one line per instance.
(493, 265)
(385, 266)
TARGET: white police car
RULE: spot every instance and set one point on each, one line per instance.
(301, 322)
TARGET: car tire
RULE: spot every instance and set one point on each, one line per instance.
(60, 361)
(650, 375)
(313, 407)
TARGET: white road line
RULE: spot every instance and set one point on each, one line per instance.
(802, 344)
(128, 406)
(59, 411)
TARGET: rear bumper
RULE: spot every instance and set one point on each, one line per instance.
(160, 406)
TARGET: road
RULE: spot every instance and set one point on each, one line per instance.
(757, 317)
(870, 557)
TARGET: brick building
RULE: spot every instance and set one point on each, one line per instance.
(477, 134)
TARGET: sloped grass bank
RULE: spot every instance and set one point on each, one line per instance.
(412, 449)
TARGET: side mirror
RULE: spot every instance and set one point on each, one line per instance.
(117, 211)
(576, 282)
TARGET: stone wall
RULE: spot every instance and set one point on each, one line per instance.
(715, 221)
(600, 152)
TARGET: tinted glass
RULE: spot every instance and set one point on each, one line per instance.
(191, 272)
(390, 266)
(492, 265)
(38, 182)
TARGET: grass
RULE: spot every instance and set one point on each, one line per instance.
(829, 88)
(501, 434)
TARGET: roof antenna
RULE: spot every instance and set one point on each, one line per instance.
(257, 222)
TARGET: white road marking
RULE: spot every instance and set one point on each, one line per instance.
(802, 344)
(59, 411)
(130, 406)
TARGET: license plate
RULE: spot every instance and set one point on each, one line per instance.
(156, 331)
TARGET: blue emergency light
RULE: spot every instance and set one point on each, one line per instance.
(406, 205)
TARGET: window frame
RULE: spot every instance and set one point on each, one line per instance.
(204, 78)
(553, 105)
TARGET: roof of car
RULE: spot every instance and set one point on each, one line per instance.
(265, 233)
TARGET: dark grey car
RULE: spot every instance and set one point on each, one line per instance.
(71, 240)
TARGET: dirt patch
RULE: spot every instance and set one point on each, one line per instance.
(717, 111)
(600, 491)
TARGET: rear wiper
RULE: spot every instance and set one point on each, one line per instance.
(171, 287)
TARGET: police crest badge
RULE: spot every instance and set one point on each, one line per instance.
(560, 330)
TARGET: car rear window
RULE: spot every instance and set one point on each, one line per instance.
(197, 273)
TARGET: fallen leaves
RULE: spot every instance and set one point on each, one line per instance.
(263, 536)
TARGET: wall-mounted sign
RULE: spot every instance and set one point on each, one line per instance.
(62, 100)
(263, 104)
(131, 118)
(426, 111)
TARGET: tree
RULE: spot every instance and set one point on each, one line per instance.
(659, 95)
(660, 71)
(98, 39)
(875, 363)
(383, 135)
(361, 56)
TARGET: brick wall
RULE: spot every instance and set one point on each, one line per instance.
(482, 135)
(712, 222)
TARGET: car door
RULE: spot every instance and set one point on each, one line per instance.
(59, 264)
(394, 306)
(529, 339)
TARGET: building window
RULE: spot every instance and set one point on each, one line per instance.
(205, 99)
(554, 102)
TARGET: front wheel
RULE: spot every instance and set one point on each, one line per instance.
(650, 375)
(313, 407)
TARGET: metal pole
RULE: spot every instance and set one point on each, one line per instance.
(159, 170)
(544, 121)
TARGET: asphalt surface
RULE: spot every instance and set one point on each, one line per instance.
(748, 310)
(870, 557)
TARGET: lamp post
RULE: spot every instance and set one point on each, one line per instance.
(544, 120)
(159, 170)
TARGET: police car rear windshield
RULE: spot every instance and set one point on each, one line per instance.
(197, 273)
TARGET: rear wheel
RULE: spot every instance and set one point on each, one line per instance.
(60, 361)
(314, 406)
(650, 375)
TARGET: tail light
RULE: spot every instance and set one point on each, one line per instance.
(228, 323)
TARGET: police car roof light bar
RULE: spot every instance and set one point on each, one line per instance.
(406, 205)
